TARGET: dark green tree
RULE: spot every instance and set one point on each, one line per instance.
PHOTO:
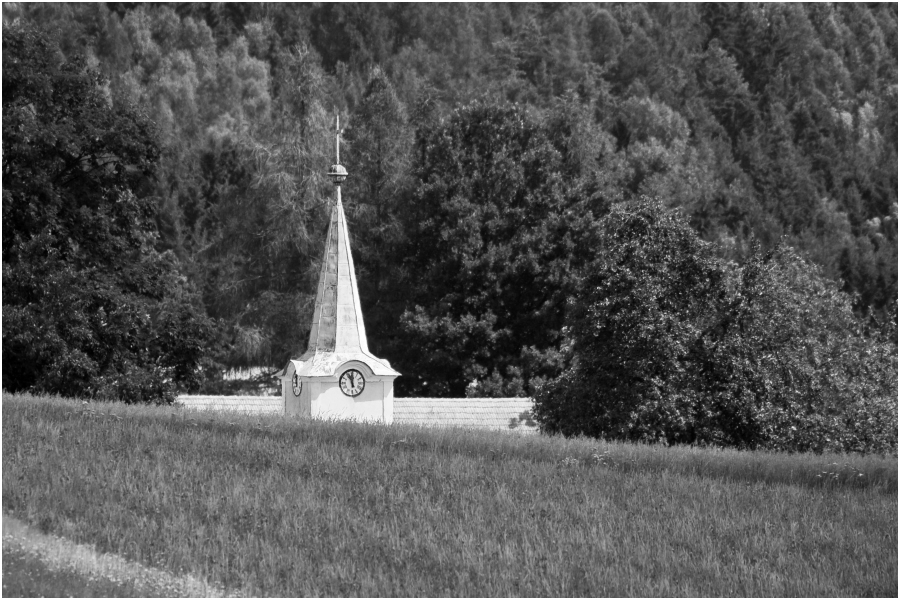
(89, 307)
(378, 150)
(492, 236)
(642, 304)
(668, 342)
(264, 244)
(792, 367)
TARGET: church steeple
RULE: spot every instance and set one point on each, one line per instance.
(337, 376)
(337, 332)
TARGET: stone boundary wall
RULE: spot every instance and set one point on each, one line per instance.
(250, 405)
(499, 414)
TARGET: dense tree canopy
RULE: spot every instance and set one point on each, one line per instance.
(89, 306)
(665, 341)
(491, 233)
(485, 142)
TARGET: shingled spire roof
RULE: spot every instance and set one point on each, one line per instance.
(337, 332)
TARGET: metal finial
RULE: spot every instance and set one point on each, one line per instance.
(337, 173)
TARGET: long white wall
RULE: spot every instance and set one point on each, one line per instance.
(251, 405)
(503, 414)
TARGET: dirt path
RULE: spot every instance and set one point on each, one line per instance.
(39, 565)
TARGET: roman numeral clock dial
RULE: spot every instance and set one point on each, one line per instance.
(352, 382)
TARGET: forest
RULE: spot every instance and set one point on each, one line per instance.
(533, 187)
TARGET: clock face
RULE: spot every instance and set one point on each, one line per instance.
(352, 382)
(297, 384)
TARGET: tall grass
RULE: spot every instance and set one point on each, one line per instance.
(274, 506)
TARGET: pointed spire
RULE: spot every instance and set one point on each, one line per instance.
(337, 331)
(337, 320)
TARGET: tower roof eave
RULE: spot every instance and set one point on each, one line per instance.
(327, 364)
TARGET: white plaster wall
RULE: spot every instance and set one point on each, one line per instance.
(296, 405)
(387, 409)
(331, 402)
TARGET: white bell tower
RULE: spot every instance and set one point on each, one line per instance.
(337, 376)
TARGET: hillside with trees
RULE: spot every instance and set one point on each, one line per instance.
(170, 159)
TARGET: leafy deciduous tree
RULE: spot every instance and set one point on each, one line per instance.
(89, 307)
(668, 342)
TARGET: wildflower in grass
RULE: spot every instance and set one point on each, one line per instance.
(600, 458)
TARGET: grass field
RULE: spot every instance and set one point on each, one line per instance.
(280, 507)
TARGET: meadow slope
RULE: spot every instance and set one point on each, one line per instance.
(281, 507)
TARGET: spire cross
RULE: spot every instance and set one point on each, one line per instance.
(337, 139)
